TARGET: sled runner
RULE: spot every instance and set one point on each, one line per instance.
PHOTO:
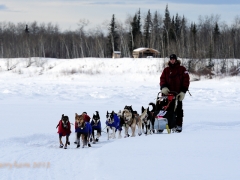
(165, 117)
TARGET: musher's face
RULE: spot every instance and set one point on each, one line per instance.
(172, 61)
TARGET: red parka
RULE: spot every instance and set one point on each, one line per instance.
(175, 77)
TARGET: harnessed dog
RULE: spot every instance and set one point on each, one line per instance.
(148, 118)
(151, 115)
(83, 129)
(136, 118)
(129, 121)
(96, 125)
(146, 123)
(64, 129)
(113, 123)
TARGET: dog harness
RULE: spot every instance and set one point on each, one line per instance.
(96, 126)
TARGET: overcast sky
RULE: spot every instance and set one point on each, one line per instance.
(67, 13)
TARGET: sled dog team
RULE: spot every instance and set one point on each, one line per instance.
(115, 123)
(166, 113)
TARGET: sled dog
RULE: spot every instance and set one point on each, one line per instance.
(64, 129)
(148, 118)
(96, 126)
(135, 116)
(83, 130)
(113, 123)
(129, 121)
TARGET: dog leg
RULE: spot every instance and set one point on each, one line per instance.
(98, 135)
(60, 141)
(88, 142)
(78, 140)
(119, 134)
(140, 127)
(152, 123)
(66, 143)
(138, 124)
(108, 132)
(126, 131)
(133, 127)
(93, 137)
(84, 140)
(114, 133)
(97, 138)
(148, 129)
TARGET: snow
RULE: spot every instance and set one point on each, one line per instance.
(34, 98)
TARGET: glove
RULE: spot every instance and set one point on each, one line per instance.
(180, 96)
(165, 90)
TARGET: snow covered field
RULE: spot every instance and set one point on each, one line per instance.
(34, 98)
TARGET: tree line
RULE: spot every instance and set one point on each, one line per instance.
(207, 39)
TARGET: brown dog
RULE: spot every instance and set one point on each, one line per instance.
(83, 129)
(129, 121)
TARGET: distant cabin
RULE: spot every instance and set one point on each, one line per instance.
(116, 54)
(145, 53)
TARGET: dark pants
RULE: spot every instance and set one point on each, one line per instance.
(179, 114)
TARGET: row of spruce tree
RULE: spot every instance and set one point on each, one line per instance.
(209, 38)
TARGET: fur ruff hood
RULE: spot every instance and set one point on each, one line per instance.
(177, 62)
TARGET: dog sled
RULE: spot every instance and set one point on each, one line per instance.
(165, 116)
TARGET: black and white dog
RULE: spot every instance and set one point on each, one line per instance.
(148, 118)
(113, 123)
(96, 126)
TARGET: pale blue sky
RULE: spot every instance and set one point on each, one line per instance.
(67, 13)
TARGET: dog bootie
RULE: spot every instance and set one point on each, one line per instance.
(96, 139)
(89, 145)
(78, 146)
(65, 147)
(68, 142)
(61, 146)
